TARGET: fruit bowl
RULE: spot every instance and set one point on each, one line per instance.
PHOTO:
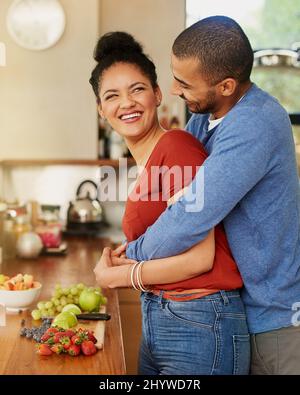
(15, 300)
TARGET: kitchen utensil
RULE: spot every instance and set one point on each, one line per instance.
(94, 316)
(99, 330)
(85, 213)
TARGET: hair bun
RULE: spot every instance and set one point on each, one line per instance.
(116, 42)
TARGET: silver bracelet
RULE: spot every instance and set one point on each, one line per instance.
(139, 277)
(132, 276)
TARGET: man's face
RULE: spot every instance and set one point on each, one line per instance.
(200, 97)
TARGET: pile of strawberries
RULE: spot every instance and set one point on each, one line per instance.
(58, 341)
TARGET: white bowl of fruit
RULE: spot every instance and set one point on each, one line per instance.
(18, 292)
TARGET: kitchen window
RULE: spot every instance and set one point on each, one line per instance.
(273, 28)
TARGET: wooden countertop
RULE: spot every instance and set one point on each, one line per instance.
(18, 354)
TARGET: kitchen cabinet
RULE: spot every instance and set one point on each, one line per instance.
(131, 319)
(18, 354)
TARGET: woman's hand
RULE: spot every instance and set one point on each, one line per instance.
(119, 258)
(108, 276)
(101, 269)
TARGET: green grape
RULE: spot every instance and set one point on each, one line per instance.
(48, 305)
(65, 291)
(41, 305)
(57, 286)
(59, 308)
(57, 293)
(56, 302)
(45, 313)
(51, 313)
(63, 301)
(74, 291)
(52, 299)
(103, 300)
(98, 289)
(36, 314)
(76, 299)
(91, 289)
(81, 286)
(69, 299)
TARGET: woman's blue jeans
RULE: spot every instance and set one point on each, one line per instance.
(205, 336)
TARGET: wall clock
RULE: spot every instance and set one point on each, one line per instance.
(35, 24)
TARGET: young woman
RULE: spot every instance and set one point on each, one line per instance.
(193, 318)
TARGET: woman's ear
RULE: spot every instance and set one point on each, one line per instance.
(158, 96)
(100, 112)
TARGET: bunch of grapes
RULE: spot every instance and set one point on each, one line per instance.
(60, 298)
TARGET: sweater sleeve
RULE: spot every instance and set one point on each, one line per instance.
(240, 158)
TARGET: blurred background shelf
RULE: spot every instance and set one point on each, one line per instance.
(62, 162)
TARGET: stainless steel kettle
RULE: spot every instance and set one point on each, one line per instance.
(85, 209)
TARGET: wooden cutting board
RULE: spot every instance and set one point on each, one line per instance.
(98, 327)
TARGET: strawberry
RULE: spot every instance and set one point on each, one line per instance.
(91, 336)
(50, 340)
(45, 337)
(76, 340)
(69, 333)
(74, 350)
(57, 348)
(87, 335)
(66, 342)
(51, 331)
(44, 349)
(88, 347)
(57, 336)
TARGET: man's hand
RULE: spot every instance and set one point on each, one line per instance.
(119, 258)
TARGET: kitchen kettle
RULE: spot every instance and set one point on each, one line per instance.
(85, 213)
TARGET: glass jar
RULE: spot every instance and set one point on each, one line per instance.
(16, 222)
(50, 227)
(3, 207)
(9, 237)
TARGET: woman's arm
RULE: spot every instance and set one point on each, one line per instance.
(197, 260)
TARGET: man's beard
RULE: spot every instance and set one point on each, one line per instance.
(205, 106)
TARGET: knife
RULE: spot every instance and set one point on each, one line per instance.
(94, 316)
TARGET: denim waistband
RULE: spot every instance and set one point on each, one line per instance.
(220, 295)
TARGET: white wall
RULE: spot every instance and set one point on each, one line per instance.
(155, 23)
(47, 108)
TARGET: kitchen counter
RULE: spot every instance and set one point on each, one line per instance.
(18, 354)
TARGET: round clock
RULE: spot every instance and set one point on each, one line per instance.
(36, 24)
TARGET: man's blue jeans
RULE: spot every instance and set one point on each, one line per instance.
(205, 336)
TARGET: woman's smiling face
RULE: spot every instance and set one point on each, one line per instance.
(128, 100)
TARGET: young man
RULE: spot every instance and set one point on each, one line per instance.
(250, 182)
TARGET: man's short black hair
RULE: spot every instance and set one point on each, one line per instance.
(220, 45)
